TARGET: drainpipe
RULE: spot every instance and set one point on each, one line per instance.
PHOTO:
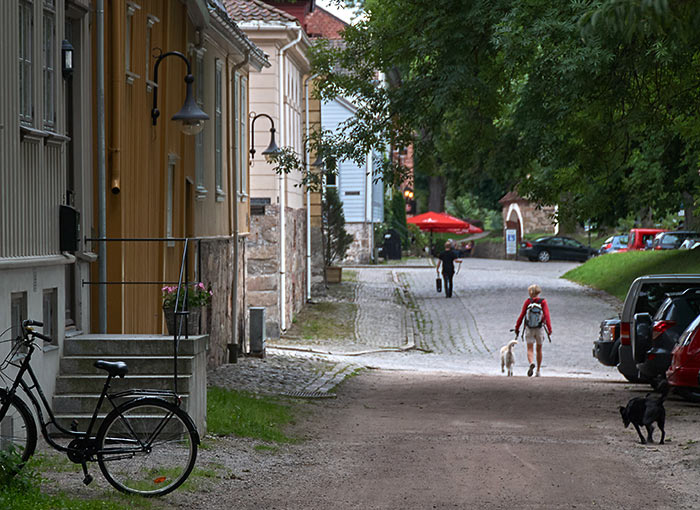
(233, 349)
(101, 169)
(308, 194)
(369, 189)
(283, 187)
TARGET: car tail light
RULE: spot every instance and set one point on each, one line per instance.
(527, 244)
(607, 246)
(625, 333)
(651, 356)
(659, 327)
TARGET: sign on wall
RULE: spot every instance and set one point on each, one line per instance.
(511, 241)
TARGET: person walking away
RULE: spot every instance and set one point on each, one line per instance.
(535, 318)
(446, 259)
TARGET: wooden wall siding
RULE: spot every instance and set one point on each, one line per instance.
(138, 155)
(32, 174)
(351, 177)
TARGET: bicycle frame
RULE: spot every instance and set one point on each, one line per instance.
(19, 381)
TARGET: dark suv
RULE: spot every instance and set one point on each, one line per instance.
(673, 240)
(614, 344)
(657, 335)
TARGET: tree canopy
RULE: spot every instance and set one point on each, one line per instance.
(588, 104)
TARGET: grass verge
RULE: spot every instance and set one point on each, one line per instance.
(244, 415)
(614, 272)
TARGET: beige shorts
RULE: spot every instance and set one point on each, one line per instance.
(535, 335)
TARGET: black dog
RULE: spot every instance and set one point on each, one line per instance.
(645, 411)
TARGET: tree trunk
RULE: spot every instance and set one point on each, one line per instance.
(438, 189)
(691, 220)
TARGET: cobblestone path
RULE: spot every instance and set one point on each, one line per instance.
(473, 325)
(381, 313)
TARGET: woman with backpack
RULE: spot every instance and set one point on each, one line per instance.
(535, 317)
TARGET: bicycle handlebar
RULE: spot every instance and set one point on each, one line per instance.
(27, 326)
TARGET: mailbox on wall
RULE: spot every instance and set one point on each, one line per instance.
(69, 226)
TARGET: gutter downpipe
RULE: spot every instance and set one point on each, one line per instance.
(369, 205)
(283, 187)
(233, 349)
(101, 169)
(307, 157)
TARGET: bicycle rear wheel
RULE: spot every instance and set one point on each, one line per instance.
(17, 434)
(147, 446)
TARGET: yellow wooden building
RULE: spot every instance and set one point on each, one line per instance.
(164, 184)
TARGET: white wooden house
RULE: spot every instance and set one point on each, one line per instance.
(359, 190)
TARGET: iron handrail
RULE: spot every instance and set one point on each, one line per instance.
(180, 297)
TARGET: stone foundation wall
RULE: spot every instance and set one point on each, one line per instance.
(263, 278)
(217, 265)
(359, 251)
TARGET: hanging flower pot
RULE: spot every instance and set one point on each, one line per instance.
(197, 296)
(192, 321)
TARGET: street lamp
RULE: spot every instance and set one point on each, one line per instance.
(408, 194)
(67, 59)
(272, 149)
(191, 116)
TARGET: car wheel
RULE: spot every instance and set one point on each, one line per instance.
(689, 394)
(543, 256)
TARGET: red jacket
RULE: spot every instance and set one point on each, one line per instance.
(545, 309)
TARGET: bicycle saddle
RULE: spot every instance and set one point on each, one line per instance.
(113, 368)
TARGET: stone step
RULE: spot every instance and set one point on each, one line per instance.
(138, 365)
(74, 404)
(130, 345)
(90, 384)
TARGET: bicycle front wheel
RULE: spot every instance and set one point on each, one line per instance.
(147, 446)
(17, 434)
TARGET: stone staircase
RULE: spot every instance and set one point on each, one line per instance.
(150, 362)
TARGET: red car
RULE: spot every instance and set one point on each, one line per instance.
(685, 363)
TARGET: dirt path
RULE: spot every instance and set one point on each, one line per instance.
(401, 440)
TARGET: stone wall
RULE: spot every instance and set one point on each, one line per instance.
(217, 264)
(263, 252)
(534, 218)
(359, 251)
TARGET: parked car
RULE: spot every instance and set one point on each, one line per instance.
(555, 247)
(645, 295)
(614, 244)
(657, 335)
(673, 240)
(684, 372)
(642, 238)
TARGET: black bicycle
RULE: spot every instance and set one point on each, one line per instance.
(145, 445)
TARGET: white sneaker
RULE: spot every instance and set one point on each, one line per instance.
(537, 374)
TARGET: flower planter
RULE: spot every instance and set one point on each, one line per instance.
(334, 274)
(192, 321)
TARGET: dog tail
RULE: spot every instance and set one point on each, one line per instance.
(662, 387)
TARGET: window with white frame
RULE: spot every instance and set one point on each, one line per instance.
(243, 133)
(131, 9)
(200, 189)
(218, 131)
(238, 113)
(49, 63)
(150, 22)
(26, 47)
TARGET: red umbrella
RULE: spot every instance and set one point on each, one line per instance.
(437, 222)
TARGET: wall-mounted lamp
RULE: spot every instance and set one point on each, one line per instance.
(67, 59)
(408, 194)
(190, 116)
(272, 149)
(318, 164)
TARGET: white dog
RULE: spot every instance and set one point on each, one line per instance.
(508, 356)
